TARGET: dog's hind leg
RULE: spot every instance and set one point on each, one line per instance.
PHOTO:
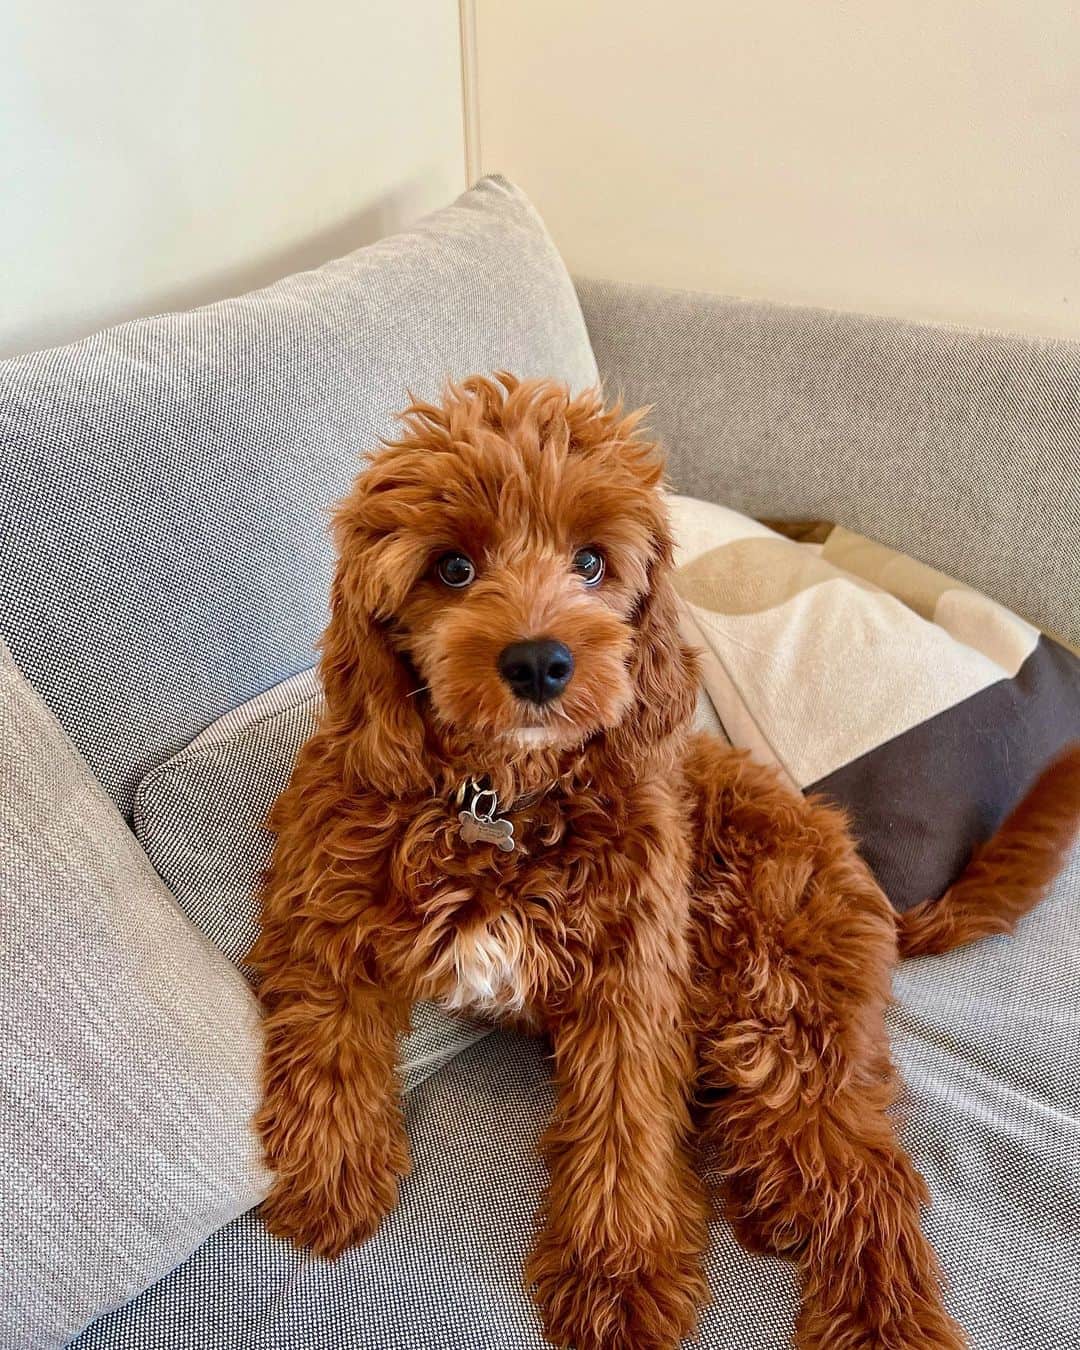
(795, 945)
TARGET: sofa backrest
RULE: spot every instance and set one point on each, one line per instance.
(166, 485)
(957, 446)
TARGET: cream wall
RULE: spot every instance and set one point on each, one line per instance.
(159, 153)
(915, 157)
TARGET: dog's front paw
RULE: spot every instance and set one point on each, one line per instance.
(585, 1306)
(851, 1309)
(928, 1327)
(332, 1211)
(332, 1206)
(332, 1188)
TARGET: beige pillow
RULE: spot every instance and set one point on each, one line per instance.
(129, 1050)
(921, 705)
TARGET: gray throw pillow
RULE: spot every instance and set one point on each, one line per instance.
(201, 816)
(166, 553)
(129, 1050)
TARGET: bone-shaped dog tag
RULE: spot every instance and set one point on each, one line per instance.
(486, 830)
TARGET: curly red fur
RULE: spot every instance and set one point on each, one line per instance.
(686, 931)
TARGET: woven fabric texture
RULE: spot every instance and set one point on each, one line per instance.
(986, 1039)
(129, 1050)
(201, 817)
(960, 448)
(163, 545)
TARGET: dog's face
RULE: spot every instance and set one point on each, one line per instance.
(506, 552)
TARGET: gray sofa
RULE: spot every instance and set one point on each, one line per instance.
(164, 566)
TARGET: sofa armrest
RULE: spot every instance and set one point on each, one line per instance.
(960, 447)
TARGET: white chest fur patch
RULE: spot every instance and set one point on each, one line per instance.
(487, 968)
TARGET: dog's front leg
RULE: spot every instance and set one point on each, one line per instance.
(331, 1122)
(618, 1262)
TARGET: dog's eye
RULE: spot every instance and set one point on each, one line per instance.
(454, 569)
(589, 565)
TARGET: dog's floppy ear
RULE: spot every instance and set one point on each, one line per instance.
(368, 686)
(663, 669)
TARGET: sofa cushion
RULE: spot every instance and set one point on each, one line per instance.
(201, 816)
(165, 553)
(921, 706)
(986, 1038)
(129, 1050)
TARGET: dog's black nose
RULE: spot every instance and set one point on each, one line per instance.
(538, 670)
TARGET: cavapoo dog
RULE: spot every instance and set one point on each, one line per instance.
(504, 811)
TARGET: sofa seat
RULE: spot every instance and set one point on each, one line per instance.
(986, 1039)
